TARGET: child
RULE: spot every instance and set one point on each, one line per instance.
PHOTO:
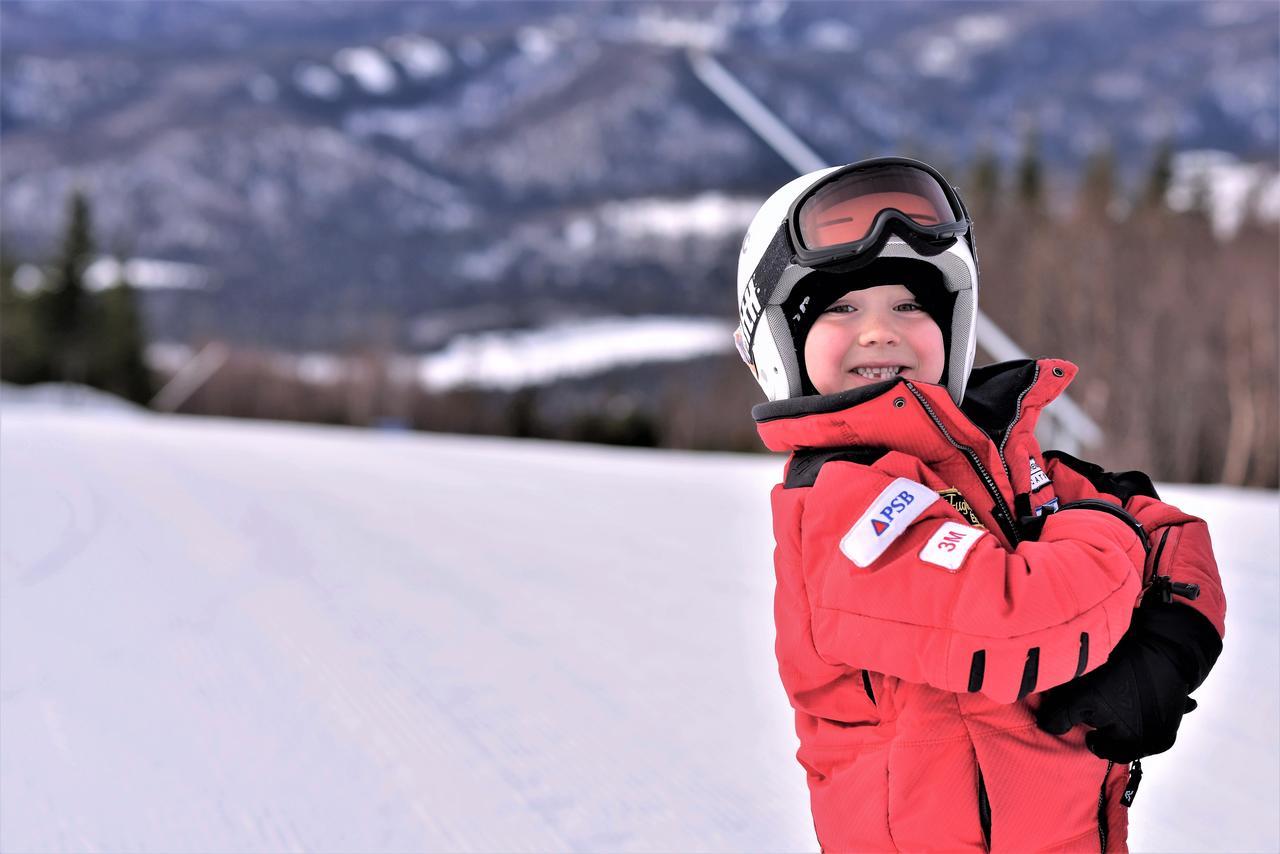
(936, 571)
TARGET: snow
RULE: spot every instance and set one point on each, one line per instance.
(510, 359)
(652, 26)
(421, 57)
(938, 58)
(370, 68)
(319, 81)
(832, 35)
(705, 215)
(983, 31)
(106, 272)
(536, 43)
(60, 397)
(513, 359)
(1232, 188)
(236, 636)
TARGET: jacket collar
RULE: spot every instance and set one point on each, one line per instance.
(998, 396)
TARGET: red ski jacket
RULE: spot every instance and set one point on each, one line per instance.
(917, 616)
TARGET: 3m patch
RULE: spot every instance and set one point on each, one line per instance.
(949, 545)
(896, 507)
(962, 506)
(1039, 479)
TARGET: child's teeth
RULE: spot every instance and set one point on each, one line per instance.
(878, 373)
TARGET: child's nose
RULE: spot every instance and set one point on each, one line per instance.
(877, 330)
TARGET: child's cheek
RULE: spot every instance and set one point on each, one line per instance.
(820, 353)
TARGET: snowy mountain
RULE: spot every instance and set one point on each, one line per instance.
(217, 635)
(330, 163)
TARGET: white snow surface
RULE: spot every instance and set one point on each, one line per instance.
(369, 67)
(237, 636)
(512, 359)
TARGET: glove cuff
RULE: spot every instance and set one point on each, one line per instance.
(1184, 634)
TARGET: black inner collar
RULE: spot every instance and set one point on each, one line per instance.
(990, 401)
(991, 397)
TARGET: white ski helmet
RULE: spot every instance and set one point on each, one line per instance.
(789, 240)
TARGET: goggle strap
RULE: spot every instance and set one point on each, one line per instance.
(776, 257)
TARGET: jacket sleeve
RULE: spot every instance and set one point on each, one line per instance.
(1181, 550)
(901, 584)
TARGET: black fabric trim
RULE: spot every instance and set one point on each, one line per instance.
(1084, 654)
(805, 465)
(1103, 825)
(992, 394)
(984, 809)
(777, 255)
(1123, 485)
(816, 404)
(977, 670)
(1030, 672)
(1114, 510)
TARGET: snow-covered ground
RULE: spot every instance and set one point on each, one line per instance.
(232, 636)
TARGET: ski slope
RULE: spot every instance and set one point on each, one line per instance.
(236, 636)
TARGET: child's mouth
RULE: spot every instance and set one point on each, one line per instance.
(880, 374)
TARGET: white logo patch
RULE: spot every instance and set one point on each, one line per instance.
(896, 507)
(949, 545)
(1038, 477)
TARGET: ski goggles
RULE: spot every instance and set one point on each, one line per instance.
(853, 211)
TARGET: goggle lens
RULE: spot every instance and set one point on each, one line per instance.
(844, 210)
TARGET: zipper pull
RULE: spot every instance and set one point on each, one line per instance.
(1168, 588)
(1131, 788)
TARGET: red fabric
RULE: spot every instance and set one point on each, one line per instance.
(1187, 553)
(901, 772)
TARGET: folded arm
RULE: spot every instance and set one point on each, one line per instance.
(902, 585)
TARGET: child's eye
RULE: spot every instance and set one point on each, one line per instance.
(840, 308)
(911, 306)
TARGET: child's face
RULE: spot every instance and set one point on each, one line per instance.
(880, 327)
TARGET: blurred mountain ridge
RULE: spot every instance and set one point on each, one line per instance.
(513, 163)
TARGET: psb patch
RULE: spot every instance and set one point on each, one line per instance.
(896, 507)
(949, 545)
(956, 500)
(1039, 479)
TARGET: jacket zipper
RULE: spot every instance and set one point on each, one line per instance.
(1003, 514)
(1102, 810)
(1017, 416)
(984, 810)
(1164, 585)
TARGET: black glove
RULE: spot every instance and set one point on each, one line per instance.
(1136, 699)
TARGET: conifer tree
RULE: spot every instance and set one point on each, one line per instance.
(1159, 178)
(1030, 174)
(118, 343)
(65, 305)
(1097, 186)
(24, 348)
(984, 183)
